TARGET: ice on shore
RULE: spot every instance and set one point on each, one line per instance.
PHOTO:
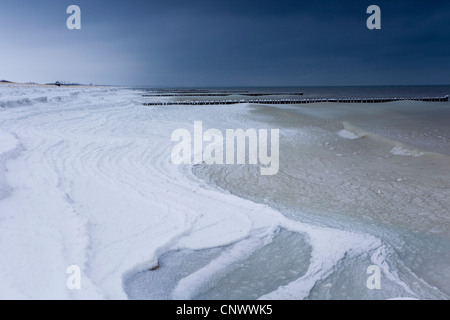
(93, 186)
(90, 183)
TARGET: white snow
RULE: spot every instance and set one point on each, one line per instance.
(7, 142)
(93, 186)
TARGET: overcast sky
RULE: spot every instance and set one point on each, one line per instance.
(226, 43)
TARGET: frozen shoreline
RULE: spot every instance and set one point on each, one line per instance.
(92, 184)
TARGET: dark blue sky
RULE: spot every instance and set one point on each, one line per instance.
(226, 43)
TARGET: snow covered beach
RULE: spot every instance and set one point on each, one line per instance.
(86, 179)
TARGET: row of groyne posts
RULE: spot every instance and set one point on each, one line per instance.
(295, 101)
(222, 94)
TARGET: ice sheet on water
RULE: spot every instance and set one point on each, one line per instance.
(407, 152)
(346, 134)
